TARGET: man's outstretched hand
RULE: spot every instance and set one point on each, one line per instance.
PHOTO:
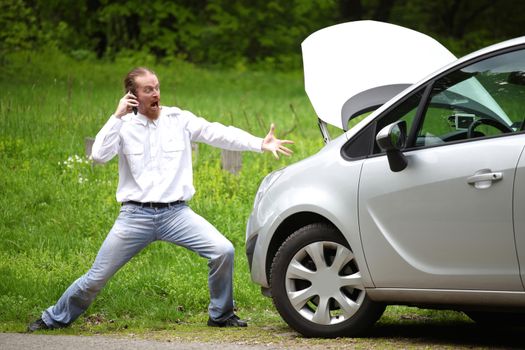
(274, 145)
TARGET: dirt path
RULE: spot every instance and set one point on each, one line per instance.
(18, 341)
(454, 335)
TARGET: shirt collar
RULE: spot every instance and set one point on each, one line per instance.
(142, 119)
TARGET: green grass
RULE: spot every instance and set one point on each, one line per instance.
(56, 208)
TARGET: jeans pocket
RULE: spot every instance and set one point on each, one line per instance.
(129, 209)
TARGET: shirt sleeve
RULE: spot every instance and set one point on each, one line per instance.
(107, 141)
(219, 135)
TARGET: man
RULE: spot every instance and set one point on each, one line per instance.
(155, 182)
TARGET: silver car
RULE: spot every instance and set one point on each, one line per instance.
(421, 202)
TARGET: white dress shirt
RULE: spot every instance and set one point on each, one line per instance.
(155, 155)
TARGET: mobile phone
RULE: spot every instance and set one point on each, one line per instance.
(134, 108)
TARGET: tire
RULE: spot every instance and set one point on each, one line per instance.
(496, 319)
(304, 277)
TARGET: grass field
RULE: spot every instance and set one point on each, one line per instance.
(56, 208)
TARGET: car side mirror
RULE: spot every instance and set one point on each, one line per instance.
(391, 139)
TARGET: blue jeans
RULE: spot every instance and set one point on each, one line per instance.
(134, 229)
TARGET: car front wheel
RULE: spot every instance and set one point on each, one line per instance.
(317, 286)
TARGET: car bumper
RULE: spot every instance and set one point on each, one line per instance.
(250, 248)
(256, 247)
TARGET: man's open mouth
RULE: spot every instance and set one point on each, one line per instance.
(155, 104)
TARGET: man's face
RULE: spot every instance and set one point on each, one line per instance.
(148, 95)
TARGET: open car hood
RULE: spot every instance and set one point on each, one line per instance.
(355, 67)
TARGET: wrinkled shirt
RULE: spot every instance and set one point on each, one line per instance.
(155, 162)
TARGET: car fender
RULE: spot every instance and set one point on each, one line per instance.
(296, 200)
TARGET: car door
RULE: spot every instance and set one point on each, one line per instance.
(446, 221)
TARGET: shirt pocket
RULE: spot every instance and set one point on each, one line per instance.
(134, 153)
(173, 145)
(172, 150)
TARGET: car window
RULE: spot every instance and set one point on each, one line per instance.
(405, 111)
(361, 144)
(484, 99)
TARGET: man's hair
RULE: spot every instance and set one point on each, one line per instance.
(129, 80)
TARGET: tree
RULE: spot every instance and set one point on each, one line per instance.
(239, 32)
(18, 27)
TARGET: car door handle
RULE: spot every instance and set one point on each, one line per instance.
(484, 178)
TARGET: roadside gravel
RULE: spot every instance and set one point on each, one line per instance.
(419, 335)
(18, 341)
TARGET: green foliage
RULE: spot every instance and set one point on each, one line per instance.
(18, 27)
(236, 33)
(462, 26)
(217, 33)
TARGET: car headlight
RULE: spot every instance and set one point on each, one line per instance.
(265, 185)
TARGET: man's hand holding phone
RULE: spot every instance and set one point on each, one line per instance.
(127, 104)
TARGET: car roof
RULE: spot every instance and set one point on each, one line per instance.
(354, 67)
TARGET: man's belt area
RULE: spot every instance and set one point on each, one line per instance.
(153, 204)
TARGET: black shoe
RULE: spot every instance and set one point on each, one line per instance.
(233, 321)
(37, 325)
